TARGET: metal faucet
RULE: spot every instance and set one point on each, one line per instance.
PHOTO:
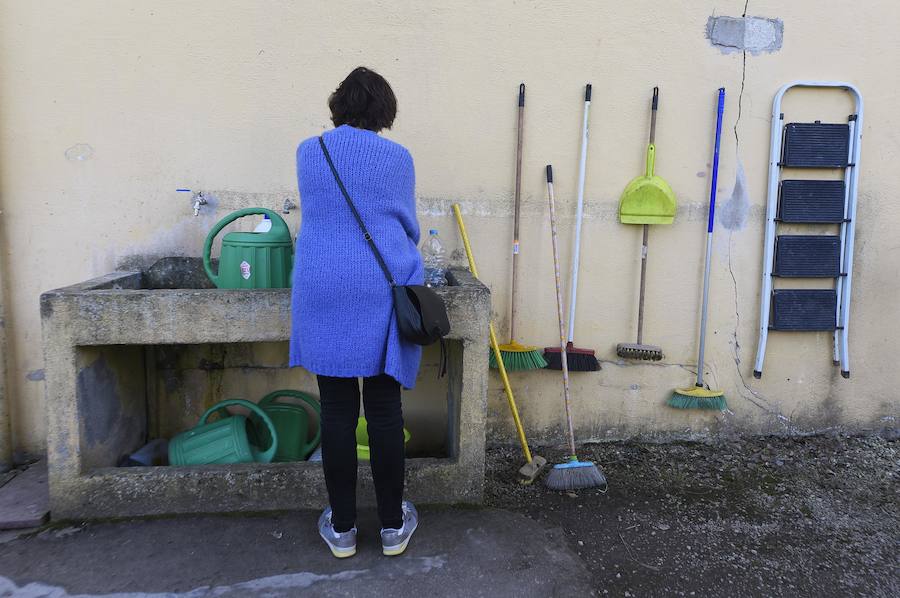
(199, 200)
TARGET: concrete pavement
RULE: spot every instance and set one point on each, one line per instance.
(455, 552)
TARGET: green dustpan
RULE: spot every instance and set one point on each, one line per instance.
(648, 199)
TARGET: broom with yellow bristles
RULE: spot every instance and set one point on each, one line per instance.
(515, 355)
(700, 396)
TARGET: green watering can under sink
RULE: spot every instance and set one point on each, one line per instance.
(291, 421)
(251, 260)
(223, 441)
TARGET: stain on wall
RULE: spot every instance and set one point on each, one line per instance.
(35, 375)
(733, 212)
(79, 152)
(100, 401)
(112, 395)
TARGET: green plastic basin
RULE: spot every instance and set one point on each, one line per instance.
(362, 439)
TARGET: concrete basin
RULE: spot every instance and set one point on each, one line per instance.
(108, 346)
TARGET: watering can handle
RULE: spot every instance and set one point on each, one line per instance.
(277, 223)
(269, 454)
(273, 397)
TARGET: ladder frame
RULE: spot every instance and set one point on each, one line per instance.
(847, 235)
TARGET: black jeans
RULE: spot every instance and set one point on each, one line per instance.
(340, 410)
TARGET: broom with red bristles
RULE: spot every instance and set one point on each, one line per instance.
(577, 359)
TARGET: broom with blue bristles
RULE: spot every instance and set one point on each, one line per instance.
(701, 396)
(573, 474)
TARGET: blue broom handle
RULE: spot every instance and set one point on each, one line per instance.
(715, 167)
(709, 237)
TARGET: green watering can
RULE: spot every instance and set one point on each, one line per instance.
(223, 441)
(251, 260)
(291, 422)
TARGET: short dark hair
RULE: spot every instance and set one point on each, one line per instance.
(363, 100)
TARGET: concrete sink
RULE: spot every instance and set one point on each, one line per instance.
(113, 349)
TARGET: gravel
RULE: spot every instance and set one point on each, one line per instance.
(799, 516)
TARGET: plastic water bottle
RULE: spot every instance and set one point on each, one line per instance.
(264, 226)
(435, 259)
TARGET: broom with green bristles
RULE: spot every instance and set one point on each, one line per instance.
(517, 356)
(701, 396)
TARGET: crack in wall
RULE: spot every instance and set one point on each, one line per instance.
(751, 395)
(624, 364)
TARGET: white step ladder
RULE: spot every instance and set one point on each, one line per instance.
(810, 146)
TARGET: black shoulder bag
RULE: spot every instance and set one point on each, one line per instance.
(421, 313)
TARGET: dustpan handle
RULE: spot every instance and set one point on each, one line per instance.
(651, 159)
(651, 149)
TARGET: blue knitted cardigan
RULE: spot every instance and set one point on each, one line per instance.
(342, 321)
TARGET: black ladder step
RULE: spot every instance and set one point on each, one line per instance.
(815, 145)
(808, 201)
(804, 309)
(807, 256)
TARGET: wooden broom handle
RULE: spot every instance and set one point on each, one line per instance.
(559, 309)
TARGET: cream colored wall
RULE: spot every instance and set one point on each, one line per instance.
(215, 95)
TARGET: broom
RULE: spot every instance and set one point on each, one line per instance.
(573, 474)
(701, 396)
(517, 356)
(647, 199)
(533, 463)
(578, 360)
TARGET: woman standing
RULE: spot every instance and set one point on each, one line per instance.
(343, 326)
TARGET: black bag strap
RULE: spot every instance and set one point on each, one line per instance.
(362, 226)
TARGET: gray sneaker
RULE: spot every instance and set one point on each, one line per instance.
(394, 541)
(342, 544)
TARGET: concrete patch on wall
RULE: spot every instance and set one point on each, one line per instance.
(745, 34)
(733, 213)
